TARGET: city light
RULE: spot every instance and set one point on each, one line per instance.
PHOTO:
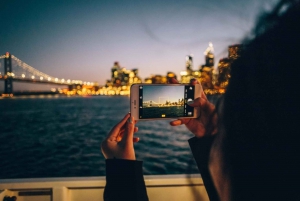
(183, 73)
(122, 79)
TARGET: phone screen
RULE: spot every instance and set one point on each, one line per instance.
(163, 101)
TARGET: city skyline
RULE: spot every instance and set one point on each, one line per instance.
(82, 40)
(161, 94)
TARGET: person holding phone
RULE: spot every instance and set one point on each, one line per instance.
(124, 173)
(247, 149)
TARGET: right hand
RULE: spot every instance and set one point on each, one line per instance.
(206, 123)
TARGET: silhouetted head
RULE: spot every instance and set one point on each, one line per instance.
(258, 143)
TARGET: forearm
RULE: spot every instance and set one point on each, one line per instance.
(201, 148)
(124, 181)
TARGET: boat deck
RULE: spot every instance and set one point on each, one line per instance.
(159, 188)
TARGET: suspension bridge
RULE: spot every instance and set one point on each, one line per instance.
(13, 69)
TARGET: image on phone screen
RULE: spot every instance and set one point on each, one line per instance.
(165, 101)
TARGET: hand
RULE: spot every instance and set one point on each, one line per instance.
(119, 141)
(206, 123)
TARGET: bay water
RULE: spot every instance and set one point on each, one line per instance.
(58, 136)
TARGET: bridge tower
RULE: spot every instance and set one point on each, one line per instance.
(8, 83)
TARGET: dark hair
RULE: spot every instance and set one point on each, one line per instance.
(261, 110)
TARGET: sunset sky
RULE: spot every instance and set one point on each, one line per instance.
(75, 39)
(161, 94)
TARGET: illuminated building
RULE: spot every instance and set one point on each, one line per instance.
(206, 77)
(148, 80)
(135, 71)
(116, 74)
(189, 64)
(189, 73)
(171, 75)
(224, 73)
(120, 76)
(234, 51)
(215, 75)
(160, 79)
(205, 73)
(209, 57)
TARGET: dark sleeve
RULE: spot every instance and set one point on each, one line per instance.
(124, 181)
(201, 148)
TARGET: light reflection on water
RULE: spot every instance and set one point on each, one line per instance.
(60, 137)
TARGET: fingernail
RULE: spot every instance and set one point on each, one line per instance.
(129, 120)
(176, 122)
(190, 102)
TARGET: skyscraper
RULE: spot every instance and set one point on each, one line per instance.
(209, 57)
(207, 69)
(189, 64)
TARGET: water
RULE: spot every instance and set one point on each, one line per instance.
(156, 112)
(61, 136)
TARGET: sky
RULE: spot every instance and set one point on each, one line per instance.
(81, 40)
(161, 94)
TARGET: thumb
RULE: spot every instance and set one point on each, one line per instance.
(203, 103)
(129, 130)
(195, 103)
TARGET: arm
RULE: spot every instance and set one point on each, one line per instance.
(124, 181)
(124, 175)
(201, 148)
(204, 128)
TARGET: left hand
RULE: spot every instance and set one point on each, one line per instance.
(119, 141)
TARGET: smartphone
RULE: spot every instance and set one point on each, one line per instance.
(163, 101)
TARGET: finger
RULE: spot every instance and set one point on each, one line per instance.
(173, 81)
(203, 95)
(119, 138)
(194, 82)
(135, 139)
(122, 131)
(176, 122)
(179, 122)
(129, 130)
(196, 102)
(203, 103)
(116, 129)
